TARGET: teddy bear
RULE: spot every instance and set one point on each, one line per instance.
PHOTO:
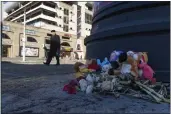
(80, 69)
(134, 66)
(147, 71)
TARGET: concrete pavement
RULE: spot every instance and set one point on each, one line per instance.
(36, 88)
(33, 60)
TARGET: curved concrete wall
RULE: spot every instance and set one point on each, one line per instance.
(137, 26)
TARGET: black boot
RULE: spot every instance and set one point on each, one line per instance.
(45, 63)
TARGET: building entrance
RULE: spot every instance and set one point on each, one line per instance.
(6, 51)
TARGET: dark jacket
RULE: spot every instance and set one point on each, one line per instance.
(54, 45)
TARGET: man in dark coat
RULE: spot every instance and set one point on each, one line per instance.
(54, 48)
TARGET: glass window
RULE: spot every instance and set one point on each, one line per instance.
(88, 18)
(66, 20)
(65, 28)
(78, 47)
(5, 36)
(31, 39)
(65, 38)
(66, 11)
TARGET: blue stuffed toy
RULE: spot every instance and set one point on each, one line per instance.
(105, 62)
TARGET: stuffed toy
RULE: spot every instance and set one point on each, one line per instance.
(93, 65)
(144, 57)
(83, 69)
(105, 68)
(130, 53)
(147, 71)
(134, 66)
(105, 62)
(115, 64)
(115, 55)
(135, 55)
(80, 69)
(126, 68)
(123, 57)
(77, 65)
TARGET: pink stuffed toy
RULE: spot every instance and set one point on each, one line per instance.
(147, 71)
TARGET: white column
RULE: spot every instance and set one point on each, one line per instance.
(24, 37)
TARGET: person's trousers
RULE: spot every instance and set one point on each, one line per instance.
(46, 54)
(49, 59)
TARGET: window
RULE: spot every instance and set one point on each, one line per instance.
(90, 8)
(5, 36)
(49, 34)
(47, 41)
(78, 47)
(65, 44)
(65, 38)
(66, 11)
(65, 28)
(31, 39)
(66, 20)
(88, 18)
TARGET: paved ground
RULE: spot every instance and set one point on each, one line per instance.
(35, 88)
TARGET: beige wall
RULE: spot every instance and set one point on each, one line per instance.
(16, 34)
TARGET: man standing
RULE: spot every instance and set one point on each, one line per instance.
(54, 48)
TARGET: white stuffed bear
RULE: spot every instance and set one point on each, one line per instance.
(126, 68)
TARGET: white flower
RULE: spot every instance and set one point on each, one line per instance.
(89, 89)
(83, 85)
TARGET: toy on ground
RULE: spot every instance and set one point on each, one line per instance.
(147, 71)
(93, 65)
(80, 69)
(115, 55)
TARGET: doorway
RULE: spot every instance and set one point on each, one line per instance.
(6, 51)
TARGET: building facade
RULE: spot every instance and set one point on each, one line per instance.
(66, 17)
(36, 38)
